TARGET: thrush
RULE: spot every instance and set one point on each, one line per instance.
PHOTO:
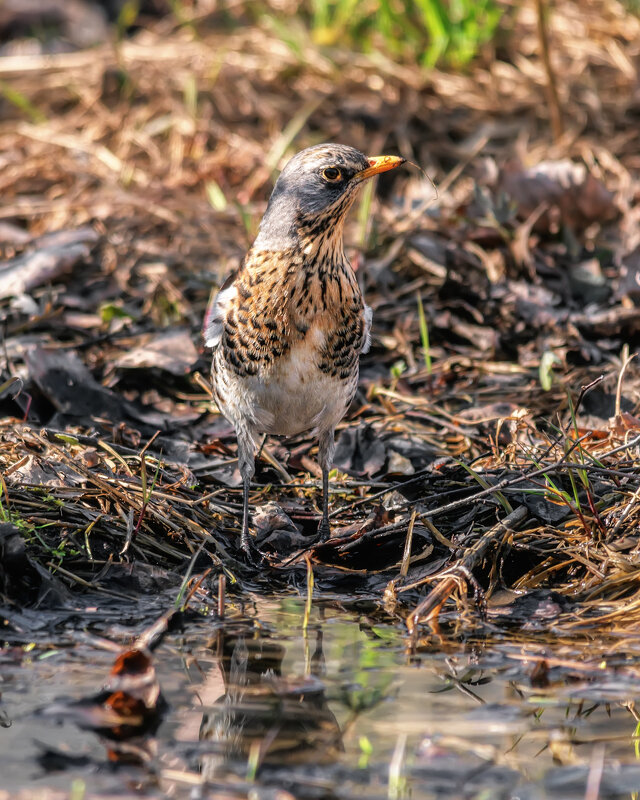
(287, 329)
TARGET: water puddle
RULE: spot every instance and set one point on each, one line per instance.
(258, 709)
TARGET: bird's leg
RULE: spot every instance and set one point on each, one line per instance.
(326, 449)
(247, 466)
(244, 536)
(324, 530)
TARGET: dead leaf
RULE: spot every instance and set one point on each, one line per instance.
(172, 351)
(61, 253)
(572, 195)
(40, 472)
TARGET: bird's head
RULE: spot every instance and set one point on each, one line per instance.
(314, 192)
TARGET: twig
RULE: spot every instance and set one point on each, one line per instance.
(222, 582)
(505, 484)
(429, 608)
(309, 600)
(625, 513)
(406, 557)
(553, 98)
(626, 360)
(596, 768)
(88, 584)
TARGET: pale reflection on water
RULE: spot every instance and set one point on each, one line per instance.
(344, 711)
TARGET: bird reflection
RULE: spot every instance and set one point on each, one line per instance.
(263, 718)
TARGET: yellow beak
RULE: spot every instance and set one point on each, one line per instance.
(379, 164)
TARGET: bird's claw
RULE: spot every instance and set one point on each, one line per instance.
(253, 555)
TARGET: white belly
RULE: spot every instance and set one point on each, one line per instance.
(294, 397)
(299, 397)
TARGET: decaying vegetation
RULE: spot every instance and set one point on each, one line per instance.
(493, 448)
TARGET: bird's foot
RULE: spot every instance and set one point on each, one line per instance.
(324, 530)
(253, 555)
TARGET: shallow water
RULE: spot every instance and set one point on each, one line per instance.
(258, 709)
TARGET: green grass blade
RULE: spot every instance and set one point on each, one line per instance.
(424, 335)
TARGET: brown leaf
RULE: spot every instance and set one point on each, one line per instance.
(173, 352)
(571, 195)
(133, 674)
(58, 256)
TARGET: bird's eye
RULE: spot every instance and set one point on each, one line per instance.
(332, 174)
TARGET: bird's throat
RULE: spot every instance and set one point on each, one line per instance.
(325, 251)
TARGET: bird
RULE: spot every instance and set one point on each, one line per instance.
(288, 327)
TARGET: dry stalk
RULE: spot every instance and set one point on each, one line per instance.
(429, 609)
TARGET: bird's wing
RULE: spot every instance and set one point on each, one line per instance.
(368, 318)
(217, 311)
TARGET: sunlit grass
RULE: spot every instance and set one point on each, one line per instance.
(22, 103)
(424, 335)
(426, 32)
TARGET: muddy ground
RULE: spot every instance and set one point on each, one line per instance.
(490, 458)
